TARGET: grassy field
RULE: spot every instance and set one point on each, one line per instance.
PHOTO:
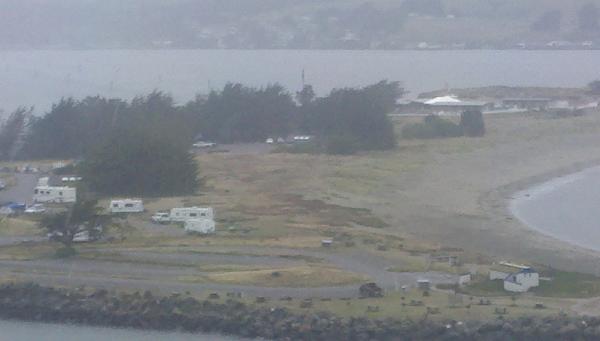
(441, 306)
(424, 198)
(293, 277)
(18, 227)
(559, 284)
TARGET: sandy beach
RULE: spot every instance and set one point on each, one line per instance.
(463, 196)
(449, 192)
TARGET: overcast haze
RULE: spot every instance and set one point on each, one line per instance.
(308, 24)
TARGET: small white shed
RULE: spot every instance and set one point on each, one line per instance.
(424, 284)
(52, 194)
(203, 226)
(126, 206)
(183, 214)
(464, 279)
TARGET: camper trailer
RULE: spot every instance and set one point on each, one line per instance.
(51, 194)
(184, 214)
(203, 226)
(126, 206)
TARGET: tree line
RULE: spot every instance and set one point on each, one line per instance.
(235, 114)
(142, 147)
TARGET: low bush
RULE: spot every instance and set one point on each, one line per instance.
(472, 123)
(432, 127)
(341, 145)
(65, 252)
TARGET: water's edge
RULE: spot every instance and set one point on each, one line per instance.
(532, 188)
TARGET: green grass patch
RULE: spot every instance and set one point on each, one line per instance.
(485, 287)
(569, 284)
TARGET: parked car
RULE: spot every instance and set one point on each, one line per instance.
(302, 138)
(2, 185)
(270, 141)
(71, 179)
(16, 206)
(85, 236)
(161, 217)
(35, 209)
(202, 144)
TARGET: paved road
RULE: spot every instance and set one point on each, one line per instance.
(22, 191)
(164, 272)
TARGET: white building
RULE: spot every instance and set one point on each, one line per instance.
(51, 194)
(522, 281)
(203, 226)
(516, 278)
(182, 214)
(464, 279)
(126, 206)
(43, 181)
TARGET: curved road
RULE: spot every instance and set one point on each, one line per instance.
(22, 191)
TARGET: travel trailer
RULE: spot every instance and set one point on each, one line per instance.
(51, 194)
(126, 206)
(183, 214)
(203, 226)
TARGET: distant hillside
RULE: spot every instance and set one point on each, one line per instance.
(302, 24)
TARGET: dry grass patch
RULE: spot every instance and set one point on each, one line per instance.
(294, 277)
(401, 305)
(24, 252)
(12, 227)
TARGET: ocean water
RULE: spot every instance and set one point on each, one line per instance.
(40, 77)
(28, 331)
(566, 208)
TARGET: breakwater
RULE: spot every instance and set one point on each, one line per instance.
(146, 311)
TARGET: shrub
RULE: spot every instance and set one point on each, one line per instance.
(65, 252)
(432, 127)
(594, 87)
(341, 145)
(472, 123)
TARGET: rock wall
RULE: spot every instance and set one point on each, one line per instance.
(179, 312)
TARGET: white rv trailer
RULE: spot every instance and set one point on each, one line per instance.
(203, 226)
(53, 194)
(126, 206)
(43, 181)
(182, 214)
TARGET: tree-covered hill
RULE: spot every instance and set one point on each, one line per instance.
(375, 24)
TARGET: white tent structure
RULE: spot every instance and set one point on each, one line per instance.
(444, 100)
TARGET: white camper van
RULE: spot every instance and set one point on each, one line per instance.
(183, 214)
(126, 206)
(53, 194)
(203, 226)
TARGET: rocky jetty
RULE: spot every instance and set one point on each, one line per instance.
(180, 312)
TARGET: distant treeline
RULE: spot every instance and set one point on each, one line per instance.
(236, 114)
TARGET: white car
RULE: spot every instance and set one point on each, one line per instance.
(302, 138)
(204, 144)
(270, 141)
(35, 208)
(161, 217)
